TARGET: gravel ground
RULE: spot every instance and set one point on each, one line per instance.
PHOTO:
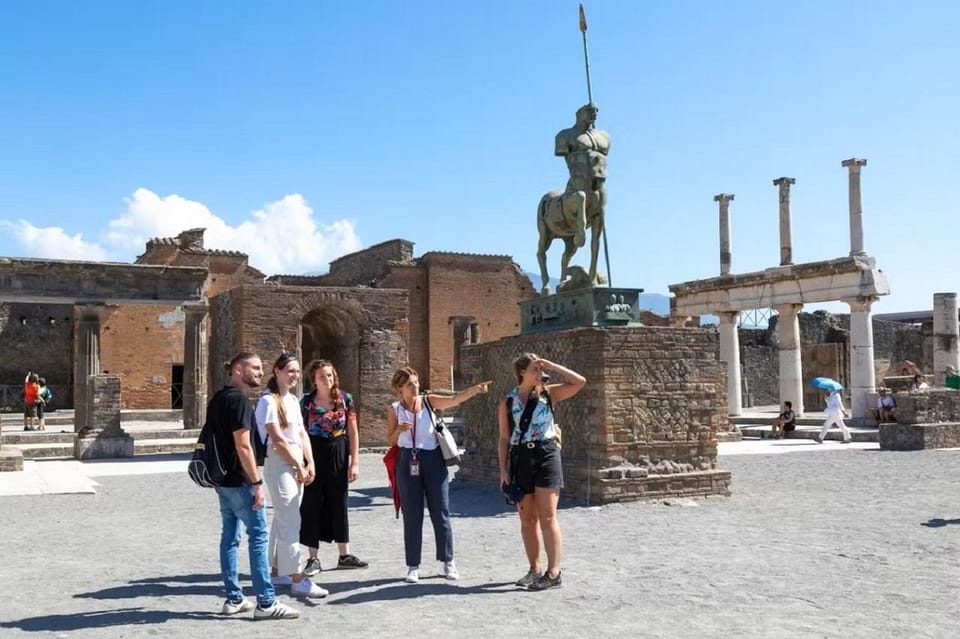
(845, 543)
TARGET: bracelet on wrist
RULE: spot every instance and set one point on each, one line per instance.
(259, 482)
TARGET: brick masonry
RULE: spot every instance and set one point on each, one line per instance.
(267, 319)
(930, 419)
(644, 426)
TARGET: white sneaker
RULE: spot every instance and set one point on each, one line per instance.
(306, 588)
(276, 611)
(230, 608)
(281, 580)
(413, 575)
(450, 571)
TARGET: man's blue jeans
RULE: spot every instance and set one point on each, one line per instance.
(236, 507)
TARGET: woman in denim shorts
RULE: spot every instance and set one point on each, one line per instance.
(528, 430)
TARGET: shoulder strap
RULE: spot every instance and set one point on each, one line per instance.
(433, 418)
(527, 415)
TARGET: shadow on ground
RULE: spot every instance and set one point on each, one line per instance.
(102, 619)
(425, 587)
(208, 585)
(940, 523)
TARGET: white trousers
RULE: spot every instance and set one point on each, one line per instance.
(285, 495)
(838, 420)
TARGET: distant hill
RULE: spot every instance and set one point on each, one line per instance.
(655, 302)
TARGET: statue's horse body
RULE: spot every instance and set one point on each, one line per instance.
(567, 215)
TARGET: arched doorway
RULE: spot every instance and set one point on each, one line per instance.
(332, 333)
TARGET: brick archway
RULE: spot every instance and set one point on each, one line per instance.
(333, 333)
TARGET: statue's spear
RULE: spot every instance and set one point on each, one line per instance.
(586, 62)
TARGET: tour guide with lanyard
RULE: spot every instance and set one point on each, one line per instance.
(414, 462)
(512, 492)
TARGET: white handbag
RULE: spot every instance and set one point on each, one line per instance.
(445, 441)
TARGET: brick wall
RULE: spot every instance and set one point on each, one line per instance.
(365, 267)
(645, 424)
(413, 280)
(266, 319)
(487, 288)
(40, 346)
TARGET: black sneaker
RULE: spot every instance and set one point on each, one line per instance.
(313, 567)
(351, 561)
(546, 582)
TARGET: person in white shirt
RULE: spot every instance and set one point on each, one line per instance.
(835, 414)
(288, 466)
(918, 384)
(422, 475)
(886, 406)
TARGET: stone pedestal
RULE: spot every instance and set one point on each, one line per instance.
(598, 306)
(103, 437)
(643, 427)
(11, 460)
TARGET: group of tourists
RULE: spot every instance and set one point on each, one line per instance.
(37, 397)
(311, 448)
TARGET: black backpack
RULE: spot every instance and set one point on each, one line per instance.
(209, 467)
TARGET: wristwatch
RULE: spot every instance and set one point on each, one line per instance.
(259, 482)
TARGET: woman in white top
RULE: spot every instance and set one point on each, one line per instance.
(289, 465)
(421, 470)
(835, 414)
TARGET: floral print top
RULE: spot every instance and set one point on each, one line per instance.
(324, 423)
(541, 423)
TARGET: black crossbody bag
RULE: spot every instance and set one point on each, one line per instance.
(512, 492)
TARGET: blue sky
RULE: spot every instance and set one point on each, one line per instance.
(299, 131)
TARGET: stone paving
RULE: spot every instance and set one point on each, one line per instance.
(826, 541)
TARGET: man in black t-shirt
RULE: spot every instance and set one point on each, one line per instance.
(241, 494)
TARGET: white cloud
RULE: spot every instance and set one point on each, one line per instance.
(53, 242)
(282, 237)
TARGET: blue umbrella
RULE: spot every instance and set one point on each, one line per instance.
(825, 383)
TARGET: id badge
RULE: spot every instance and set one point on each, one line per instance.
(414, 467)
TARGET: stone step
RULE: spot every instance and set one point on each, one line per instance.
(36, 437)
(742, 420)
(156, 446)
(49, 447)
(45, 450)
(857, 434)
(186, 434)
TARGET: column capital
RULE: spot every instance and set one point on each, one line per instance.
(854, 164)
(723, 198)
(788, 309)
(90, 311)
(784, 181)
(860, 303)
(728, 317)
(195, 310)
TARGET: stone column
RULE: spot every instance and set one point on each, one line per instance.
(946, 333)
(725, 258)
(730, 353)
(86, 362)
(862, 372)
(791, 369)
(856, 205)
(786, 242)
(194, 366)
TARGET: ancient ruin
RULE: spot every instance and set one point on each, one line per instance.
(854, 279)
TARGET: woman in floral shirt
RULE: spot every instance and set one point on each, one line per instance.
(331, 421)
